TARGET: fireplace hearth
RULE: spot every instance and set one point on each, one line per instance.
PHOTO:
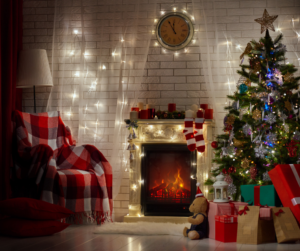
(167, 189)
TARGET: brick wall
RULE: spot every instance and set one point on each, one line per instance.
(168, 77)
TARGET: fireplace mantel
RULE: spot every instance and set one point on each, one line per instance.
(164, 131)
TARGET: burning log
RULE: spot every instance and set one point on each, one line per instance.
(155, 189)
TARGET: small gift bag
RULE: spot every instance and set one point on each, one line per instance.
(285, 224)
(252, 229)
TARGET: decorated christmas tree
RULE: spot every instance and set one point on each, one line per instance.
(261, 127)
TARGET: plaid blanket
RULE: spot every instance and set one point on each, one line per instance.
(79, 178)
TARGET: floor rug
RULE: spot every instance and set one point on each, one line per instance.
(142, 228)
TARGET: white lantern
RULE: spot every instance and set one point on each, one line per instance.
(220, 187)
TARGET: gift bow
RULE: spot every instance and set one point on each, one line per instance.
(243, 211)
(260, 205)
(279, 212)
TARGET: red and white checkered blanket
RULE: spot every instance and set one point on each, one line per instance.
(79, 178)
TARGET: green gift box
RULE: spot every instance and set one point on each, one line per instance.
(260, 195)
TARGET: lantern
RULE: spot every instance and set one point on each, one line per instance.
(220, 188)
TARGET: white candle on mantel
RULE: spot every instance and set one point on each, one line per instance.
(189, 114)
(134, 115)
(141, 105)
(149, 106)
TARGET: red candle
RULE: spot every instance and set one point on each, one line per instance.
(135, 109)
(143, 114)
(204, 106)
(151, 113)
(200, 114)
(171, 107)
(208, 113)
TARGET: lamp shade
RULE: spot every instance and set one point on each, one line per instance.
(33, 69)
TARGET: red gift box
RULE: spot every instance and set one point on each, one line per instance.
(286, 180)
(226, 228)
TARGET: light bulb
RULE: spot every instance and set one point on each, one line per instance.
(174, 9)
(122, 40)
(75, 31)
(162, 12)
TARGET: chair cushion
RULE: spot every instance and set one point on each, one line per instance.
(28, 208)
(16, 227)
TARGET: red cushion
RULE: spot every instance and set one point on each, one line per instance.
(16, 227)
(33, 209)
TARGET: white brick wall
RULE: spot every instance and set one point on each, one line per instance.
(167, 77)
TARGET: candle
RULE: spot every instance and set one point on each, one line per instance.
(134, 109)
(204, 106)
(144, 114)
(151, 113)
(134, 115)
(200, 114)
(208, 114)
(171, 107)
(189, 114)
(149, 106)
(141, 105)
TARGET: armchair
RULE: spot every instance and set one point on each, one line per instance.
(76, 177)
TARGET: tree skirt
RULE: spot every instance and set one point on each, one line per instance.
(142, 228)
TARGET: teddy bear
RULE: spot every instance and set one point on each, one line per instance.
(199, 220)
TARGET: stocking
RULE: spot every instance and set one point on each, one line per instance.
(189, 134)
(200, 144)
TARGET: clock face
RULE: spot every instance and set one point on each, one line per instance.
(174, 31)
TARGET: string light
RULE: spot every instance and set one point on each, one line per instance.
(156, 44)
(77, 74)
(122, 40)
(194, 41)
(155, 20)
(174, 9)
(176, 53)
(162, 12)
(113, 53)
(75, 32)
(72, 53)
(103, 67)
(238, 46)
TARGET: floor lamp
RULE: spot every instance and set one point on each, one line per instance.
(33, 70)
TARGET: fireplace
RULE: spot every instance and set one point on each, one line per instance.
(166, 170)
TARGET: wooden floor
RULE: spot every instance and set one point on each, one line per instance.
(82, 238)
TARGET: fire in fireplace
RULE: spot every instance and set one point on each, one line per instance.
(168, 188)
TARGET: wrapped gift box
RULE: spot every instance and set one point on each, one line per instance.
(286, 180)
(260, 195)
(226, 228)
(230, 208)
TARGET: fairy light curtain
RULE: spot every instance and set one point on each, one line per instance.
(222, 40)
(98, 58)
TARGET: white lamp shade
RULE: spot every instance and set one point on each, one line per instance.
(33, 69)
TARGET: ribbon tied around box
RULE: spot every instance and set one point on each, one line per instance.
(243, 211)
(279, 212)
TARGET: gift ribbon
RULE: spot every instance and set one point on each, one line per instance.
(232, 207)
(296, 200)
(243, 211)
(256, 195)
(279, 212)
(260, 205)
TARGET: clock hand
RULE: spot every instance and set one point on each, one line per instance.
(172, 27)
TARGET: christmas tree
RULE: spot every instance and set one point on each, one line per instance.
(261, 127)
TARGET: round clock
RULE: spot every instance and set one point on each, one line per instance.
(174, 31)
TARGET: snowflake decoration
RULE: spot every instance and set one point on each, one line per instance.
(283, 117)
(260, 152)
(271, 118)
(256, 114)
(257, 139)
(231, 189)
(297, 135)
(271, 137)
(247, 129)
(229, 150)
(266, 176)
(275, 95)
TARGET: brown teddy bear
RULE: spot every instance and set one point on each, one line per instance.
(199, 221)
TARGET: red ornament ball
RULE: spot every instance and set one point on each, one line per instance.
(224, 171)
(214, 144)
(231, 169)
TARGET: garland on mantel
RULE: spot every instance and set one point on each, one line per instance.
(170, 115)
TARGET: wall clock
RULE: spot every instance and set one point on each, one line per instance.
(174, 31)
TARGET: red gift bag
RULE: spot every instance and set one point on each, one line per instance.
(286, 180)
(226, 228)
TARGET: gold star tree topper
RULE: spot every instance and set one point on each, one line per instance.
(266, 21)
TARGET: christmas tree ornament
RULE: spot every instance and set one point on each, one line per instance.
(231, 135)
(247, 129)
(245, 163)
(131, 157)
(129, 136)
(230, 120)
(292, 148)
(283, 117)
(271, 118)
(243, 88)
(238, 143)
(260, 151)
(224, 171)
(238, 152)
(129, 147)
(241, 80)
(296, 135)
(214, 144)
(228, 179)
(231, 169)
(257, 139)
(288, 77)
(271, 137)
(242, 112)
(247, 82)
(266, 176)
(286, 128)
(231, 189)
(247, 50)
(133, 147)
(266, 21)
(288, 105)
(134, 135)
(253, 172)
(256, 114)
(235, 105)
(278, 76)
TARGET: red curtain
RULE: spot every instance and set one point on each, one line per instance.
(11, 43)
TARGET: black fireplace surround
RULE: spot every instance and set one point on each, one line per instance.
(168, 189)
